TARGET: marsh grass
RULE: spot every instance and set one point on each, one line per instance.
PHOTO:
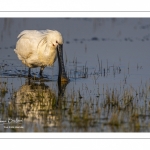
(112, 108)
(123, 109)
(3, 89)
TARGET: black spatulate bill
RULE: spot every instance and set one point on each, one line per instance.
(62, 74)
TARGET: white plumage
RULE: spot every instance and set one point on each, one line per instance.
(38, 48)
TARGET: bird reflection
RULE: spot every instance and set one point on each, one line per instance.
(38, 102)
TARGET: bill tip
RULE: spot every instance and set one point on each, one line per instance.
(64, 79)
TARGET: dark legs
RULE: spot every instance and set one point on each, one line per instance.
(29, 72)
(41, 71)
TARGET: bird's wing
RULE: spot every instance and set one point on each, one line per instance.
(34, 33)
(30, 34)
(28, 42)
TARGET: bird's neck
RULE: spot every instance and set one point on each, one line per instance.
(48, 56)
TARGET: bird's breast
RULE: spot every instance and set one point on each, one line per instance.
(47, 58)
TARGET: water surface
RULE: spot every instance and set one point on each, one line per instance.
(107, 61)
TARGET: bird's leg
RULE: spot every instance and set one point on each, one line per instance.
(41, 71)
(29, 72)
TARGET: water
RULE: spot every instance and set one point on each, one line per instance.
(107, 61)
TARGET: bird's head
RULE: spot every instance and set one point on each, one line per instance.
(55, 40)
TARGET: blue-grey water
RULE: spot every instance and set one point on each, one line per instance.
(99, 54)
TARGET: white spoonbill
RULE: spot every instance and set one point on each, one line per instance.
(40, 49)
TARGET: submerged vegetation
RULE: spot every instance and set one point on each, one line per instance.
(107, 62)
(3, 89)
(43, 108)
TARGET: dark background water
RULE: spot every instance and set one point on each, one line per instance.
(120, 45)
